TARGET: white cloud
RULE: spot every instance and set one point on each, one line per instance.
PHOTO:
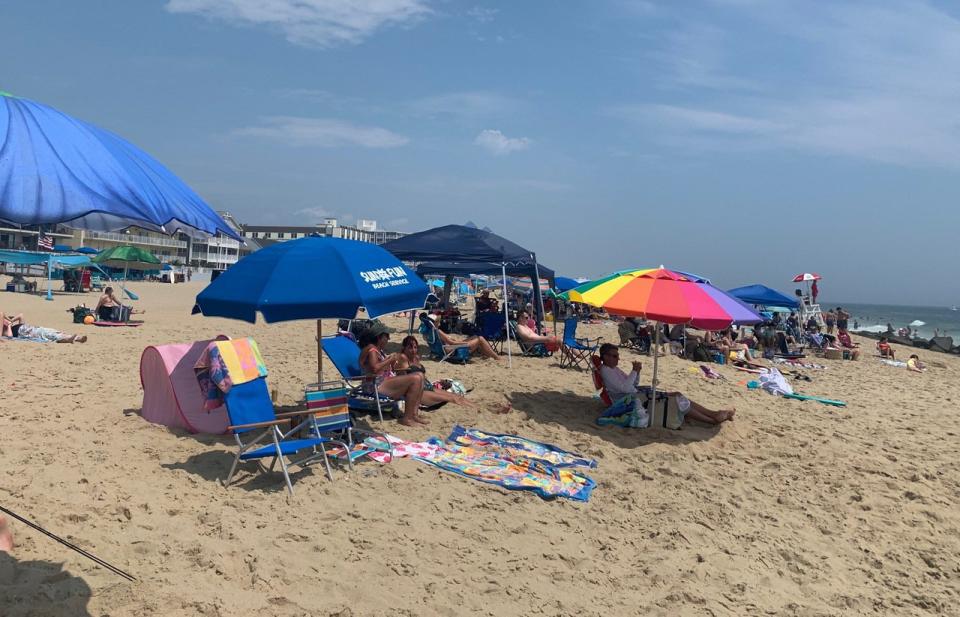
(482, 14)
(317, 23)
(316, 213)
(497, 143)
(859, 79)
(470, 105)
(322, 132)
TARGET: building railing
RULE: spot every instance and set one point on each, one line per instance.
(134, 239)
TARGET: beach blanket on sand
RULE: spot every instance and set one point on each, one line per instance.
(225, 363)
(512, 472)
(514, 446)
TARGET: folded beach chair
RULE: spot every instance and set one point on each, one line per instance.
(345, 355)
(444, 353)
(492, 329)
(576, 351)
(249, 408)
(535, 350)
(327, 404)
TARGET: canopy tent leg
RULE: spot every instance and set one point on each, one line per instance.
(538, 292)
(447, 288)
(656, 356)
(50, 277)
(506, 315)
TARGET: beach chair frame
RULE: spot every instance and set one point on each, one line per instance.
(282, 445)
(441, 352)
(332, 419)
(576, 352)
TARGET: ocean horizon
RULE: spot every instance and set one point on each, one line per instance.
(937, 319)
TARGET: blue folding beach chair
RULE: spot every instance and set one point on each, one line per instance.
(536, 350)
(576, 351)
(249, 408)
(492, 328)
(450, 353)
(345, 355)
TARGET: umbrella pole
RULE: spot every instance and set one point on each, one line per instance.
(50, 277)
(319, 354)
(653, 395)
(506, 315)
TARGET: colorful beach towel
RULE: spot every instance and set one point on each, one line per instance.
(225, 363)
(515, 473)
(515, 446)
(399, 449)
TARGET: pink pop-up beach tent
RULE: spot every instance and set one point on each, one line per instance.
(171, 394)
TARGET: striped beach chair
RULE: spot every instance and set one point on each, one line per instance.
(327, 404)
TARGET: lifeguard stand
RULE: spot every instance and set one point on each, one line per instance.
(808, 309)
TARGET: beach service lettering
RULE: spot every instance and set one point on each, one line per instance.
(385, 277)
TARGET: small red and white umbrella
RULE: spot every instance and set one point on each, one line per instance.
(806, 276)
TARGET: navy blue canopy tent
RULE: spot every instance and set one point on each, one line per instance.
(57, 169)
(762, 295)
(461, 244)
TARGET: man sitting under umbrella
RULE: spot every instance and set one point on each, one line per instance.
(620, 385)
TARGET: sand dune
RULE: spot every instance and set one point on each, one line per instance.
(794, 508)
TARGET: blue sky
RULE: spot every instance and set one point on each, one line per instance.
(744, 140)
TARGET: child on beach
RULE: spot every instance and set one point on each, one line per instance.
(886, 351)
(914, 364)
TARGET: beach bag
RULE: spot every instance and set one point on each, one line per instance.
(80, 313)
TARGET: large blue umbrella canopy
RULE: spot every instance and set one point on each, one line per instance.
(313, 278)
(762, 295)
(564, 283)
(57, 169)
(86, 250)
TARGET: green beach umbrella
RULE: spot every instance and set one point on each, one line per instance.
(129, 258)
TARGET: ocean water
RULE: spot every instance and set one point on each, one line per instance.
(935, 318)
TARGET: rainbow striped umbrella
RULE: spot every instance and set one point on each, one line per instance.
(664, 295)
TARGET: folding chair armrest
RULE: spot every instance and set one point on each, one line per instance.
(258, 424)
(292, 414)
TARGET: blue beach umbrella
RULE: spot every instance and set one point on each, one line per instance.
(563, 283)
(86, 250)
(57, 169)
(313, 278)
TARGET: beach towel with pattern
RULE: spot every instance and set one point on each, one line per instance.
(225, 363)
(515, 473)
(514, 445)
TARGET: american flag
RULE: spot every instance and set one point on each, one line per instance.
(45, 242)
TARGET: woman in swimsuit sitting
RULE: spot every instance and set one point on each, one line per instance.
(409, 362)
(108, 307)
(379, 368)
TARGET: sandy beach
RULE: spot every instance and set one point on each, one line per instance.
(795, 508)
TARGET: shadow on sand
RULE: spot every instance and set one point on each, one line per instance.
(577, 413)
(40, 589)
(213, 466)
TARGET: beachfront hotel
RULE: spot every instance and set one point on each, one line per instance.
(366, 230)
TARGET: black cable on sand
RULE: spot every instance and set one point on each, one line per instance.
(74, 547)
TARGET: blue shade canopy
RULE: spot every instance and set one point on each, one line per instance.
(56, 169)
(762, 295)
(564, 283)
(86, 250)
(313, 278)
(33, 258)
(460, 244)
(473, 268)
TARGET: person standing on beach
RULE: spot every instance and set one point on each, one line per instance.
(830, 319)
(843, 318)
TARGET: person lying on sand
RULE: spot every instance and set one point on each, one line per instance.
(619, 385)
(380, 374)
(914, 364)
(7, 322)
(411, 362)
(15, 327)
(472, 343)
